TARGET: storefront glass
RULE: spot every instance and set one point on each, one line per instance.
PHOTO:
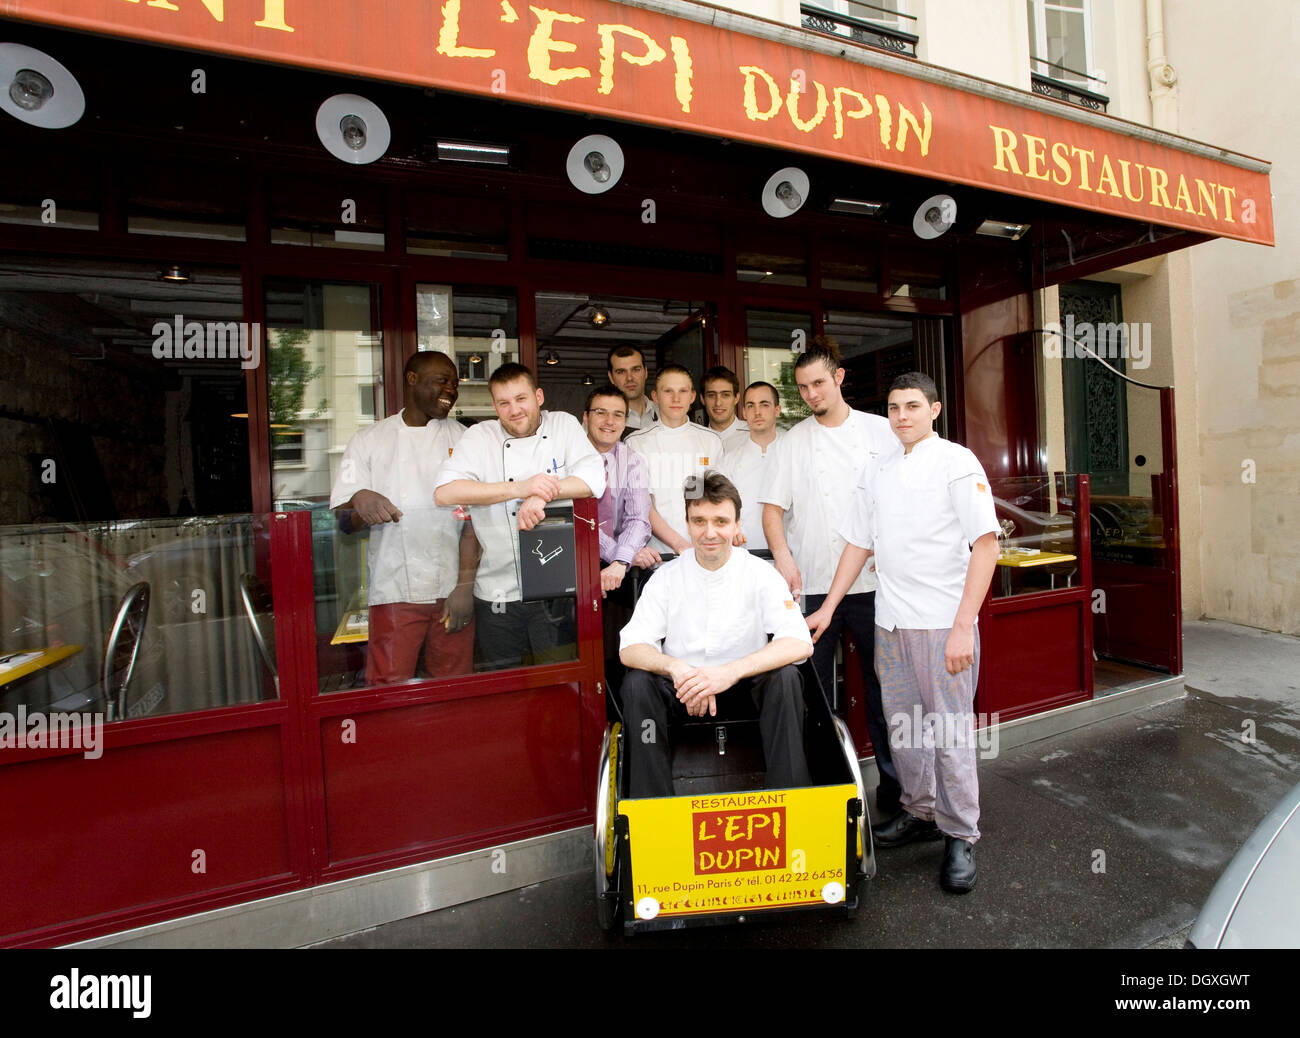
(775, 339)
(136, 618)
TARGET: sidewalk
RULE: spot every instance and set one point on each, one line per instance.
(1107, 836)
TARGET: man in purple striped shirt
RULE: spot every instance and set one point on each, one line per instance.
(624, 508)
(624, 513)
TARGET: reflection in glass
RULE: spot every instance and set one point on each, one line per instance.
(136, 619)
(324, 362)
(478, 328)
(771, 355)
(110, 412)
(1038, 543)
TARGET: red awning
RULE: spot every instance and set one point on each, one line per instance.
(636, 64)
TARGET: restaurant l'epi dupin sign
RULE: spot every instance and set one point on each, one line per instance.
(599, 56)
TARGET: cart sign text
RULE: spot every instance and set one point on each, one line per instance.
(739, 841)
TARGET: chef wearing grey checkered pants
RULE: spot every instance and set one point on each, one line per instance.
(927, 516)
(931, 728)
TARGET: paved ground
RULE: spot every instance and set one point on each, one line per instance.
(1163, 798)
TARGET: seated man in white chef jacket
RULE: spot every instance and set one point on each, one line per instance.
(507, 471)
(700, 631)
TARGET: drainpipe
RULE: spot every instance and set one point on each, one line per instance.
(1163, 76)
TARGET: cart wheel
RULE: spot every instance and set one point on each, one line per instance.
(604, 860)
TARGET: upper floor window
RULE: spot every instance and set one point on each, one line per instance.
(1060, 47)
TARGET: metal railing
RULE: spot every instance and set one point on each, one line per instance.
(1050, 79)
(864, 29)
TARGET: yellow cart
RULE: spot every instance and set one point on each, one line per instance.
(724, 849)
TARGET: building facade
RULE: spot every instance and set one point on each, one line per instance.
(235, 221)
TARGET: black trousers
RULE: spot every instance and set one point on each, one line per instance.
(858, 614)
(616, 610)
(651, 698)
(523, 634)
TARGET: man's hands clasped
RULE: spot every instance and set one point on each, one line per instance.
(699, 687)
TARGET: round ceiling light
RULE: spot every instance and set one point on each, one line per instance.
(595, 164)
(935, 216)
(353, 129)
(785, 192)
(37, 89)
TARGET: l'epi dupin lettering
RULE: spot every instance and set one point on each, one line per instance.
(272, 11)
(739, 841)
(762, 96)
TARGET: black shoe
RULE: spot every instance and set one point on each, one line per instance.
(957, 876)
(889, 798)
(903, 828)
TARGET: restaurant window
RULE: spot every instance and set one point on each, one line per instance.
(918, 273)
(876, 349)
(774, 340)
(478, 328)
(47, 191)
(326, 214)
(376, 584)
(457, 228)
(186, 202)
(772, 260)
(132, 579)
(850, 267)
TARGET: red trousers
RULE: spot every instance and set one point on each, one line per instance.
(399, 630)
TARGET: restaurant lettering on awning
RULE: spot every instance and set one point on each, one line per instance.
(633, 63)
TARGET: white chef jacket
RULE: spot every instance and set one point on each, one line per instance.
(487, 454)
(709, 618)
(671, 456)
(920, 513)
(814, 475)
(748, 465)
(418, 558)
(734, 434)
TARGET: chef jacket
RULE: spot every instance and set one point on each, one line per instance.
(711, 617)
(748, 465)
(733, 435)
(920, 513)
(487, 454)
(418, 558)
(814, 476)
(673, 455)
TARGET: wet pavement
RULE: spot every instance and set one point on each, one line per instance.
(1110, 836)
